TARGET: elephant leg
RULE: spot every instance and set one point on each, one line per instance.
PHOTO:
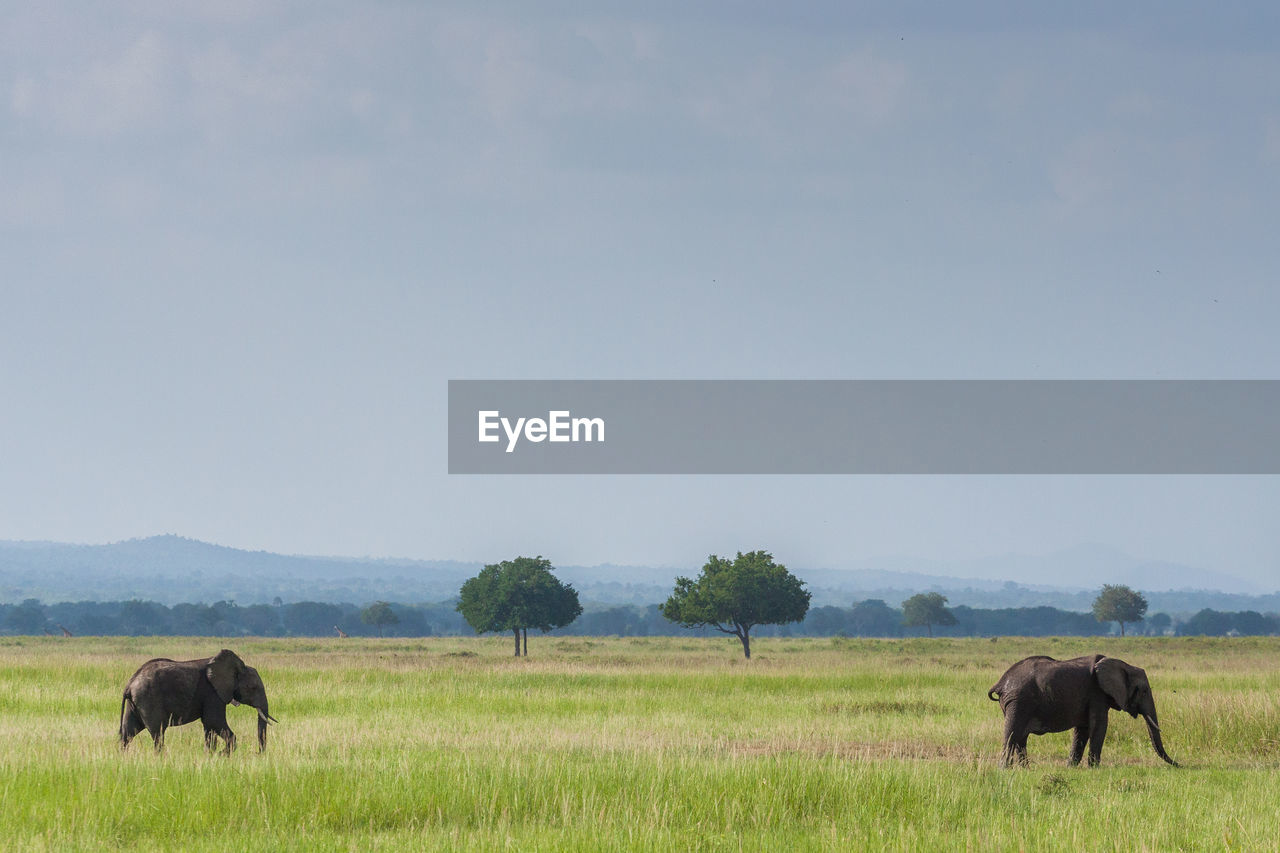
(1079, 737)
(157, 737)
(1097, 734)
(211, 736)
(1015, 741)
(1020, 750)
(130, 725)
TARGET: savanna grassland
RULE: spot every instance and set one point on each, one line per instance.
(641, 743)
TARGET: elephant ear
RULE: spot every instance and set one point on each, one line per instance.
(1113, 678)
(223, 669)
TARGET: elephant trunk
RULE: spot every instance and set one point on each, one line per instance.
(1153, 730)
(263, 718)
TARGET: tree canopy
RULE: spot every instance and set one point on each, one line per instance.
(733, 596)
(516, 595)
(379, 614)
(1119, 603)
(928, 609)
(873, 618)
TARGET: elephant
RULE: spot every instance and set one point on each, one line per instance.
(166, 692)
(1039, 694)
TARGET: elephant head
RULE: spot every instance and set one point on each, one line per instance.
(238, 684)
(1128, 690)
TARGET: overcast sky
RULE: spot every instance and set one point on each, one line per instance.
(245, 245)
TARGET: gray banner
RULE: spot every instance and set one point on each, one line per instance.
(864, 427)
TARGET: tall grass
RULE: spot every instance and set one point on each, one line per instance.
(634, 744)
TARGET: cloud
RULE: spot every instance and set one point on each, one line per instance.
(1087, 170)
(233, 94)
(121, 92)
(865, 88)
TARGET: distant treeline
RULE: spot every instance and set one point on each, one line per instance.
(871, 618)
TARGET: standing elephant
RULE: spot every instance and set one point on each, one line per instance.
(1039, 694)
(165, 693)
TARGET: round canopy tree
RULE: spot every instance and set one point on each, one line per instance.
(379, 614)
(1119, 603)
(733, 596)
(516, 595)
(927, 609)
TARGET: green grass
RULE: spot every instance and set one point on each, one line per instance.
(652, 743)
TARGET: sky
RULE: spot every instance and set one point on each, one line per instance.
(246, 244)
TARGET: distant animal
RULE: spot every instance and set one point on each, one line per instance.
(1039, 695)
(65, 632)
(341, 633)
(164, 693)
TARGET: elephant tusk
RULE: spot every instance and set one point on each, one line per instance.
(265, 717)
(1151, 722)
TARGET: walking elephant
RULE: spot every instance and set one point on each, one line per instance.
(165, 693)
(1039, 695)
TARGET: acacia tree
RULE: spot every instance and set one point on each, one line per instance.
(1119, 603)
(379, 614)
(516, 595)
(733, 596)
(928, 609)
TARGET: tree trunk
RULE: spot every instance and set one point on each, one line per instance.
(525, 632)
(929, 625)
(744, 634)
(1121, 629)
(516, 631)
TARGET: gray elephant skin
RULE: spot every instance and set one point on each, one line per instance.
(1039, 695)
(164, 693)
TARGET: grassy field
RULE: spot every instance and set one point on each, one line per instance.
(649, 744)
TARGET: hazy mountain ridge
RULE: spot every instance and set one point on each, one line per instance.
(172, 569)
